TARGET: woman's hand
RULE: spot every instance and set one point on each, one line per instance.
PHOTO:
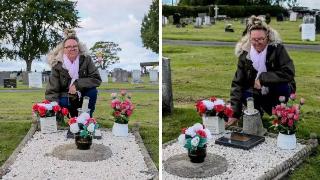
(72, 89)
(231, 121)
(257, 84)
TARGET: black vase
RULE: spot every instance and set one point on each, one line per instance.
(83, 143)
(197, 156)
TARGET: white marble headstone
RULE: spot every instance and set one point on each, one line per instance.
(293, 16)
(153, 75)
(104, 75)
(35, 80)
(207, 20)
(198, 22)
(136, 76)
(308, 32)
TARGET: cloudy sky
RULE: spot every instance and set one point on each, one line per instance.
(107, 20)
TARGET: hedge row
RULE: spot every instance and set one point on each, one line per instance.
(230, 11)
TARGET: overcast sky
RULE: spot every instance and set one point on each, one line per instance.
(107, 20)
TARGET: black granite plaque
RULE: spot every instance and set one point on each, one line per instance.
(240, 140)
(9, 83)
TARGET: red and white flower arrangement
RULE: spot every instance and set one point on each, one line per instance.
(48, 109)
(122, 107)
(84, 125)
(194, 137)
(214, 107)
(286, 116)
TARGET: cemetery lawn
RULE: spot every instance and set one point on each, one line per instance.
(289, 32)
(201, 72)
(104, 86)
(15, 118)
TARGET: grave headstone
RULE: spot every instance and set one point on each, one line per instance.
(153, 76)
(170, 19)
(104, 75)
(202, 15)
(198, 22)
(318, 24)
(10, 83)
(176, 18)
(4, 75)
(35, 80)
(293, 16)
(164, 20)
(308, 28)
(13, 75)
(136, 76)
(120, 75)
(280, 17)
(216, 11)
(207, 20)
(167, 98)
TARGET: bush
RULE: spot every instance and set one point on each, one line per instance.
(230, 11)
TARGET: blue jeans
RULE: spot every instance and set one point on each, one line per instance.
(268, 101)
(92, 93)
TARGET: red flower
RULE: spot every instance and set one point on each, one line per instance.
(201, 107)
(296, 117)
(202, 133)
(72, 120)
(90, 120)
(35, 107)
(290, 122)
(56, 108)
(46, 101)
(64, 111)
(228, 112)
(275, 122)
(219, 108)
(42, 111)
(128, 112)
(116, 113)
(212, 98)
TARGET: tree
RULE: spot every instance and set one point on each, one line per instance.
(150, 28)
(104, 54)
(36, 26)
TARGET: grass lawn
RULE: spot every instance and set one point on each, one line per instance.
(105, 86)
(289, 32)
(201, 72)
(15, 118)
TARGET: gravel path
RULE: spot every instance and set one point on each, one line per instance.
(242, 164)
(127, 162)
(296, 47)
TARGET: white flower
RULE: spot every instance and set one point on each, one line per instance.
(195, 141)
(218, 102)
(197, 127)
(209, 104)
(54, 103)
(74, 128)
(83, 117)
(182, 139)
(91, 127)
(190, 131)
(48, 106)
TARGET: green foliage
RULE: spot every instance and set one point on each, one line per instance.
(32, 27)
(104, 54)
(230, 11)
(150, 28)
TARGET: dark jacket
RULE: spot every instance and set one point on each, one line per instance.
(280, 69)
(60, 79)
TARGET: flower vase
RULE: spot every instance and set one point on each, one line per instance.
(214, 123)
(83, 143)
(198, 155)
(120, 130)
(48, 124)
(286, 142)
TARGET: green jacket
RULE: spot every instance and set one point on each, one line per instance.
(60, 79)
(280, 69)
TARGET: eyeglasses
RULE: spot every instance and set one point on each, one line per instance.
(260, 40)
(71, 47)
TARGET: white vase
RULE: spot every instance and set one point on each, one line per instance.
(286, 142)
(214, 124)
(120, 129)
(48, 124)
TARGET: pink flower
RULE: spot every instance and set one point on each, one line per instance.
(296, 117)
(123, 92)
(293, 96)
(115, 104)
(302, 101)
(116, 113)
(290, 122)
(128, 112)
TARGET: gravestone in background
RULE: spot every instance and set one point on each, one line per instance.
(167, 98)
(153, 76)
(120, 75)
(198, 22)
(13, 75)
(280, 17)
(207, 20)
(308, 28)
(10, 83)
(35, 80)
(318, 24)
(170, 19)
(103, 74)
(4, 75)
(176, 18)
(136, 76)
(293, 16)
